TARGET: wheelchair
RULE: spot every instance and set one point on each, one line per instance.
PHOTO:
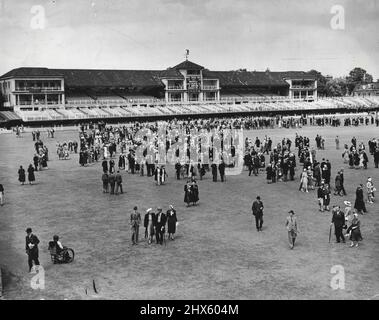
(65, 255)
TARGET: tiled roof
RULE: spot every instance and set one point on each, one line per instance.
(99, 78)
(188, 65)
(152, 78)
(255, 78)
(110, 78)
(30, 72)
(244, 78)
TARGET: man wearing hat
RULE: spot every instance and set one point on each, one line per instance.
(31, 248)
(257, 209)
(292, 228)
(160, 222)
(338, 219)
(135, 221)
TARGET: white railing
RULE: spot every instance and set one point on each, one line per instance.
(303, 87)
(175, 87)
(38, 89)
(40, 103)
(193, 108)
(205, 87)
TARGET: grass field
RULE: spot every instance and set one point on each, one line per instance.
(217, 253)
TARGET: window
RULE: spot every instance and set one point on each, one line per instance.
(210, 96)
(193, 72)
(193, 97)
(175, 97)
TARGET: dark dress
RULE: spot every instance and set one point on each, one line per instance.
(31, 176)
(195, 193)
(355, 230)
(359, 201)
(44, 161)
(21, 175)
(171, 221)
(187, 191)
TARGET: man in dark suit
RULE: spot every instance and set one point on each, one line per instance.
(339, 221)
(177, 169)
(160, 222)
(221, 169)
(258, 213)
(112, 181)
(376, 157)
(119, 182)
(214, 172)
(31, 248)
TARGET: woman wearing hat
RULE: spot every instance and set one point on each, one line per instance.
(21, 175)
(149, 224)
(31, 176)
(359, 202)
(347, 210)
(355, 231)
(370, 190)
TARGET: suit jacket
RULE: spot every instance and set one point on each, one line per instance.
(257, 207)
(118, 178)
(112, 178)
(33, 240)
(338, 219)
(162, 223)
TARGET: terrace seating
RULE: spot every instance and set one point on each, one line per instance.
(9, 115)
(93, 111)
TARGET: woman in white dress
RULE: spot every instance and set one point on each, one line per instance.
(304, 181)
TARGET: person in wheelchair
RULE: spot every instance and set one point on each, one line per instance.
(59, 253)
(58, 245)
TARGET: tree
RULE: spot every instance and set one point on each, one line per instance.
(321, 82)
(357, 76)
(336, 87)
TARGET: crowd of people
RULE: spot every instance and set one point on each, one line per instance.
(117, 149)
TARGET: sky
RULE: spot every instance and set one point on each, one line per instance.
(220, 34)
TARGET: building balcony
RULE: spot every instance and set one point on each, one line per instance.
(210, 88)
(40, 103)
(310, 87)
(37, 89)
(175, 88)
